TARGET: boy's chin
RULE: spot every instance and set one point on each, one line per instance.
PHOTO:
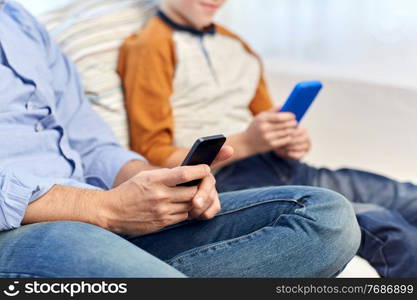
(203, 25)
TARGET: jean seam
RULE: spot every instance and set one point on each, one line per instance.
(215, 245)
(237, 239)
(23, 274)
(380, 250)
(296, 201)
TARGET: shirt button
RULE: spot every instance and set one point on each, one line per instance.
(39, 127)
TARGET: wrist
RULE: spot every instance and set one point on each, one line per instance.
(242, 145)
(131, 169)
(104, 209)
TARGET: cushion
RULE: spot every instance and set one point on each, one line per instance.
(91, 32)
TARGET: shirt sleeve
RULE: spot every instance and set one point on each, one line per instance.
(147, 72)
(262, 100)
(19, 188)
(101, 155)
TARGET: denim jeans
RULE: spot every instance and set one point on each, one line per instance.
(273, 232)
(386, 209)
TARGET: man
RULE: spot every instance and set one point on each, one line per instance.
(92, 209)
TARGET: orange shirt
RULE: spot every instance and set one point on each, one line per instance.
(147, 66)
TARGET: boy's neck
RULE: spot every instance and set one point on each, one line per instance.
(177, 17)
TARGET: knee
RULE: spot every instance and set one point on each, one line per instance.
(389, 242)
(336, 227)
(74, 249)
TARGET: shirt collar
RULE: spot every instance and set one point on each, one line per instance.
(211, 29)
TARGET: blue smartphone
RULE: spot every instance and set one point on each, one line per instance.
(301, 98)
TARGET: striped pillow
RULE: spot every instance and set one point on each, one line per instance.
(91, 32)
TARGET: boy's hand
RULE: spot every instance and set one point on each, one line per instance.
(299, 146)
(270, 130)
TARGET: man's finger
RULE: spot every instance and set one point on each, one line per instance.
(180, 194)
(178, 218)
(179, 175)
(213, 210)
(179, 208)
(225, 153)
(202, 198)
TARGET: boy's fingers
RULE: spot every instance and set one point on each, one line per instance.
(300, 139)
(281, 134)
(279, 117)
(283, 126)
(299, 147)
(276, 109)
(296, 155)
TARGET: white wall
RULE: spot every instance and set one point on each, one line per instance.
(366, 38)
(365, 53)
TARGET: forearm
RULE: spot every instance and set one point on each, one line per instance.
(63, 203)
(238, 142)
(176, 158)
(241, 147)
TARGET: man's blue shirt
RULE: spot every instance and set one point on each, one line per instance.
(49, 133)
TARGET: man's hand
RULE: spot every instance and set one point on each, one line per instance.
(270, 130)
(143, 204)
(299, 146)
(152, 200)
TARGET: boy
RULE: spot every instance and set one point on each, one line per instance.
(185, 77)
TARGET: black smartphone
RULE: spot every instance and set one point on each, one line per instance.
(204, 151)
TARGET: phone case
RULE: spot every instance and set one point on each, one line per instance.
(301, 98)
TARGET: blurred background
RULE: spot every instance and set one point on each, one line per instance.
(364, 51)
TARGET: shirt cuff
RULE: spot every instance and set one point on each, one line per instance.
(17, 191)
(45, 184)
(14, 196)
(107, 166)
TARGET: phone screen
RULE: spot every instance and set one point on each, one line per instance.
(204, 151)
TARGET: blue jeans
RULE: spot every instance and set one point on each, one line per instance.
(274, 232)
(386, 209)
